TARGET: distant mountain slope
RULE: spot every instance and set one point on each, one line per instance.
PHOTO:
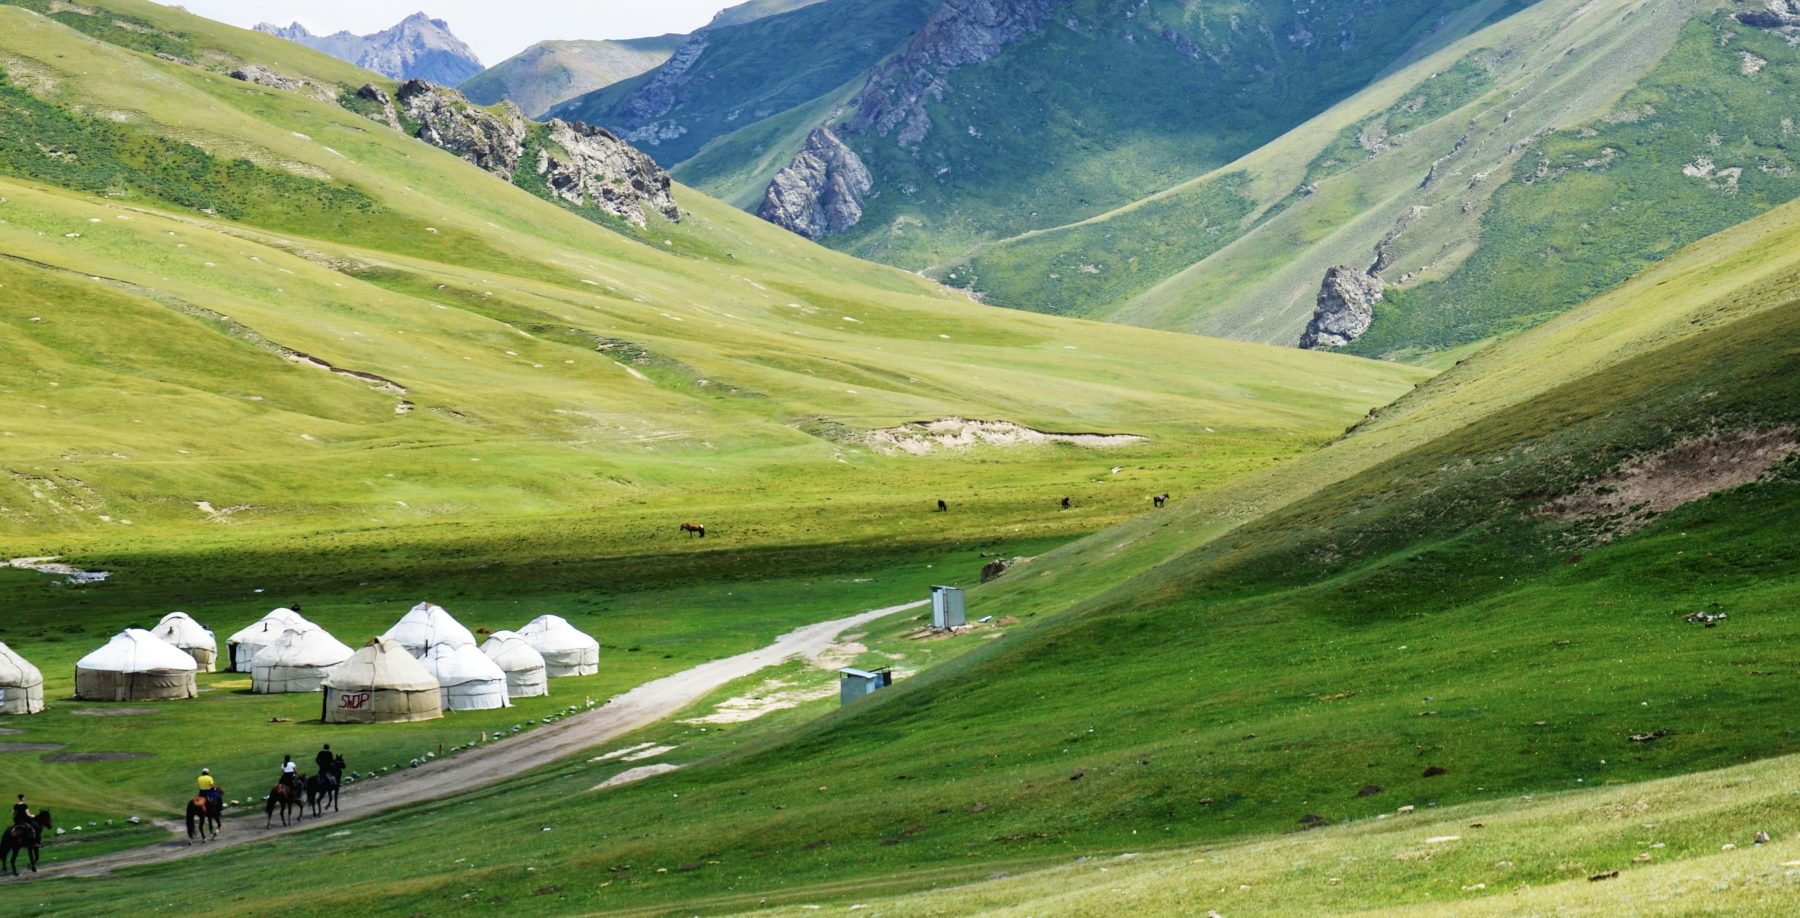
(417, 48)
(754, 10)
(551, 72)
(1495, 183)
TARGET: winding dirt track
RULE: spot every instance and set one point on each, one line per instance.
(642, 706)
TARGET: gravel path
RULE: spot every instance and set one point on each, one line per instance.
(642, 706)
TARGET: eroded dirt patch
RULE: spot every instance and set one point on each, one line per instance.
(30, 747)
(636, 774)
(1648, 486)
(925, 437)
(113, 712)
(97, 756)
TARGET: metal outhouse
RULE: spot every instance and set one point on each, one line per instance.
(855, 683)
(947, 609)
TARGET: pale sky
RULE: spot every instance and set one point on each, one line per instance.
(496, 30)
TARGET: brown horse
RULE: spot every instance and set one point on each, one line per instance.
(1160, 499)
(203, 819)
(21, 838)
(694, 528)
(286, 796)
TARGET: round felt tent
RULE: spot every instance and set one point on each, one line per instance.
(180, 631)
(427, 626)
(381, 684)
(566, 651)
(298, 661)
(470, 681)
(523, 665)
(135, 666)
(246, 644)
(21, 685)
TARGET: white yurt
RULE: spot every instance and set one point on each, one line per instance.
(427, 626)
(180, 631)
(246, 644)
(567, 652)
(523, 665)
(470, 681)
(381, 684)
(297, 662)
(135, 666)
(21, 685)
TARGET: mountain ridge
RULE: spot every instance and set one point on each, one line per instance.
(417, 47)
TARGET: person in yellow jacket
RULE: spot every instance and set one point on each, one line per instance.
(211, 790)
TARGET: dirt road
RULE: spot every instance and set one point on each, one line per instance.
(642, 706)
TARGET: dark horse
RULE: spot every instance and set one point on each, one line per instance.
(287, 796)
(20, 838)
(943, 507)
(1160, 499)
(203, 819)
(322, 788)
(694, 528)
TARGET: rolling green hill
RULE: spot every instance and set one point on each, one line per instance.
(552, 72)
(1499, 181)
(1479, 592)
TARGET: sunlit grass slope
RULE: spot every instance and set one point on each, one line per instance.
(1392, 621)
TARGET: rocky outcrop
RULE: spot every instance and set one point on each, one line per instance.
(604, 172)
(1345, 308)
(418, 48)
(960, 34)
(263, 76)
(583, 165)
(451, 122)
(1775, 14)
(821, 191)
(648, 105)
(385, 112)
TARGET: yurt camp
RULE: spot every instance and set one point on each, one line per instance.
(246, 644)
(427, 626)
(298, 661)
(180, 631)
(381, 684)
(21, 685)
(469, 680)
(523, 665)
(135, 666)
(566, 651)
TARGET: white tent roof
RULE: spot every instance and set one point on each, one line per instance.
(179, 630)
(310, 646)
(427, 626)
(461, 665)
(16, 671)
(383, 664)
(265, 630)
(135, 650)
(511, 653)
(552, 634)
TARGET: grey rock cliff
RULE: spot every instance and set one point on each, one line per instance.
(660, 95)
(1345, 308)
(584, 165)
(418, 47)
(605, 172)
(961, 33)
(821, 191)
(263, 76)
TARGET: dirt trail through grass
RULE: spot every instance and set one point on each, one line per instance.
(642, 706)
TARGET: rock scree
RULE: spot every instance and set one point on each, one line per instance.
(1345, 308)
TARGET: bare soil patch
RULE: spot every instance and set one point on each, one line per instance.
(65, 757)
(922, 438)
(636, 774)
(1648, 486)
(112, 712)
(31, 747)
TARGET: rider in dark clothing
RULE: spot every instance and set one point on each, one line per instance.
(325, 759)
(21, 816)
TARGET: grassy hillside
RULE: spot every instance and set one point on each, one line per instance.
(263, 349)
(1500, 180)
(552, 72)
(1444, 607)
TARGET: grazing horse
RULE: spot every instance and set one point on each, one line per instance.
(694, 528)
(1161, 499)
(203, 819)
(21, 838)
(943, 507)
(1065, 503)
(286, 796)
(322, 790)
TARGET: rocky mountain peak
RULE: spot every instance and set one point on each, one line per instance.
(417, 47)
(821, 191)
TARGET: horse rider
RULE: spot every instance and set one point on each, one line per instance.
(324, 760)
(211, 790)
(290, 773)
(22, 816)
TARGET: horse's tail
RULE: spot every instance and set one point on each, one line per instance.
(192, 813)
